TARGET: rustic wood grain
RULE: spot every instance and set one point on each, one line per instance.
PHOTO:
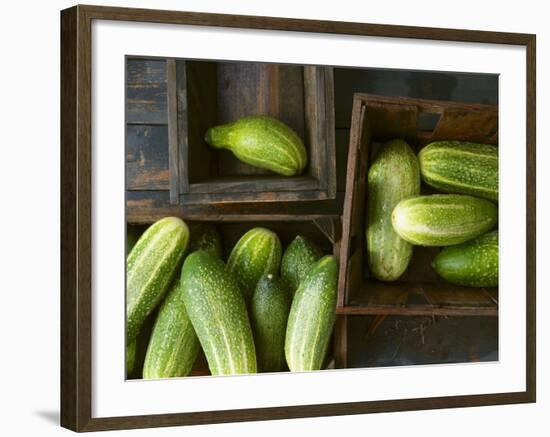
(174, 156)
(147, 159)
(146, 91)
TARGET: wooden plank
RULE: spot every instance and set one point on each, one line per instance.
(146, 96)
(254, 183)
(238, 199)
(341, 152)
(182, 120)
(147, 160)
(144, 207)
(173, 141)
(341, 342)
(329, 178)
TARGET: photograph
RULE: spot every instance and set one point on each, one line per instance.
(299, 218)
(339, 216)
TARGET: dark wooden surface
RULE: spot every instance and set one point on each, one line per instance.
(76, 258)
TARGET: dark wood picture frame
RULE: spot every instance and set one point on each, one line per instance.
(76, 218)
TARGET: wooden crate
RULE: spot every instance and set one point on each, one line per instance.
(324, 231)
(202, 94)
(419, 291)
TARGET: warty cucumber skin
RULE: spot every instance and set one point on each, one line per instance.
(151, 266)
(472, 264)
(263, 142)
(173, 346)
(257, 253)
(205, 236)
(393, 176)
(217, 310)
(443, 219)
(461, 167)
(311, 318)
(297, 259)
(268, 315)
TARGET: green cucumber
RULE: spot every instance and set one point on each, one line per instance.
(205, 236)
(473, 263)
(443, 219)
(268, 316)
(131, 357)
(151, 266)
(217, 310)
(460, 167)
(173, 346)
(393, 176)
(297, 259)
(137, 348)
(257, 253)
(312, 316)
(263, 142)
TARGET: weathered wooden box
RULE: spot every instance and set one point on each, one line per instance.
(325, 231)
(419, 291)
(202, 94)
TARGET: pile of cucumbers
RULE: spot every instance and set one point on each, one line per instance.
(262, 310)
(460, 219)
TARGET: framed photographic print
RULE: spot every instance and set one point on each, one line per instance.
(339, 216)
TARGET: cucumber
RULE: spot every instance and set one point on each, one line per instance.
(443, 219)
(151, 266)
(312, 316)
(393, 176)
(131, 358)
(173, 346)
(137, 348)
(205, 236)
(257, 253)
(263, 142)
(217, 310)
(460, 167)
(268, 316)
(298, 258)
(473, 263)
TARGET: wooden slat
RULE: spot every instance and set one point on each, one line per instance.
(416, 298)
(254, 183)
(238, 199)
(146, 91)
(144, 207)
(147, 166)
(173, 142)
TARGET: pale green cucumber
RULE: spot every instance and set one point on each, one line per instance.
(268, 316)
(151, 266)
(443, 219)
(312, 316)
(393, 176)
(257, 253)
(217, 310)
(173, 346)
(461, 167)
(297, 259)
(263, 142)
(473, 263)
